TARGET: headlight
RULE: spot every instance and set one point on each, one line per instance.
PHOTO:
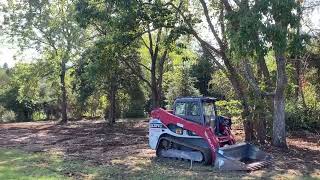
(179, 131)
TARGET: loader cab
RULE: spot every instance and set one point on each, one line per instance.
(200, 110)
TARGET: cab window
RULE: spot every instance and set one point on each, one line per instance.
(180, 109)
(208, 112)
(194, 109)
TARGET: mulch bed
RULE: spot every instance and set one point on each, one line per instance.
(95, 141)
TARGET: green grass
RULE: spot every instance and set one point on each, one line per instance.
(17, 164)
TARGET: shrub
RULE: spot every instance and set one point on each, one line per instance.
(304, 113)
(7, 116)
(229, 108)
(38, 116)
(298, 117)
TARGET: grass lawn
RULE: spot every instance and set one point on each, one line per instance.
(16, 164)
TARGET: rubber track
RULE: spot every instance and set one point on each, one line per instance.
(206, 152)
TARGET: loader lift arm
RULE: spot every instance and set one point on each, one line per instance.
(204, 132)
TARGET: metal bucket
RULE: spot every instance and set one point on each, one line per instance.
(242, 156)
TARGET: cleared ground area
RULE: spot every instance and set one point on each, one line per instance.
(92, 150)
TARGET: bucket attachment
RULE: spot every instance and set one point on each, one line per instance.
(241, 157)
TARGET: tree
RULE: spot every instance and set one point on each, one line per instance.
(101, 70)
(158, 59)
(19, 93)
(136, 101)
(5, 66)
(4, 75)
(273, 30)
(203, 71)
(218, 48)
(182, 84)
(131, 22)
(239, 32)
(48, 26)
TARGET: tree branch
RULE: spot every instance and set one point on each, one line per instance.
(237, 2)
(161, 64)
(156, 49)
(193, 32)
(138, 74)
(222, 25)
(145, 44)
(206, 44)
(150, 41)
(215, 61)
(227, 5)
(214, 32)
(147, 68)
(248, 74)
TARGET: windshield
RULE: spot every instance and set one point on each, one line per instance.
(208, 112)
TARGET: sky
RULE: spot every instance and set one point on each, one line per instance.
(9, 52)
(6, 55)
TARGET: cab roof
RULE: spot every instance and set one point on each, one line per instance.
(195, 98)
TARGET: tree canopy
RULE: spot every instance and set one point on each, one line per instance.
(119, 58)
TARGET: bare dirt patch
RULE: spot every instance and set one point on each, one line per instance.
(125, 145)
(92, 140)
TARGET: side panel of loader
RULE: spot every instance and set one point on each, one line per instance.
(155, 131)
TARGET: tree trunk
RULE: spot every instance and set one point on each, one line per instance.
(264, 105)
(235, 81)
(264, 69)
(297, 79)
(259, 106)
(155, 97)
(64, 93)
(260, 121)
(112, 107)
(160, 76)
(279, 126)
(299, 84)
(318, 79)
(248, 129)
(261, 128)
(154, 85)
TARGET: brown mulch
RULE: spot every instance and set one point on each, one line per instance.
(90, 140)
(97, 142)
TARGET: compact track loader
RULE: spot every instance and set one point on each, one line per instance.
(194, 131)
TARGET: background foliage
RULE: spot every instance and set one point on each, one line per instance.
(114, 55)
